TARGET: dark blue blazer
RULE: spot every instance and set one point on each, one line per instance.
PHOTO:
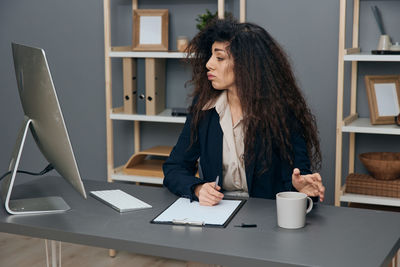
(181, 166)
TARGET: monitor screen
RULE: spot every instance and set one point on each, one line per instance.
(44, 118)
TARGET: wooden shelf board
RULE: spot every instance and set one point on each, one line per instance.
(118, 175)
(366, 199)
(367, 56)
(363, 125)
(125, 51)
(164, 116)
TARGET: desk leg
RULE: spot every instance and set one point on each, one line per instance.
(53, 255)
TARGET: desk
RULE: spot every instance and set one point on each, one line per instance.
(332, 237)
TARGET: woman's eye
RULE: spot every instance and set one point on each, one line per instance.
(220, 58)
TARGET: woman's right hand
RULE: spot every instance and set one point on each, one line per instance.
(208, 194)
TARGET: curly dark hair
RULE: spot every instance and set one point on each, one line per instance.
(270, 98)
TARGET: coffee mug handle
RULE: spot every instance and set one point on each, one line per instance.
(310, 205)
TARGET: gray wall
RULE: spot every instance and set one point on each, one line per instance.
(71, 32)
(72, 35)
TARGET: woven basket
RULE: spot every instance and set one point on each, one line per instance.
(366, 185)
(382, 165)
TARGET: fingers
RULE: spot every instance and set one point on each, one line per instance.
(296, 173)
(322, 194)
(318, 183)
(209, 196)
(297, 179)
(314, 176)
(318, 177)
(311, 184)
(207, 200)
(309, 180)
(210, 187)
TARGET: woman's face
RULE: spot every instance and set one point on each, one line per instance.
(220, 67)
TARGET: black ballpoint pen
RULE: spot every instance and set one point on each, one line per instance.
(245, 225)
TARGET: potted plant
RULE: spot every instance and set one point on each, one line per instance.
(204, 19)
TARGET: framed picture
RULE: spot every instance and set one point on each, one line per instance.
(150, 30)
(383, 94)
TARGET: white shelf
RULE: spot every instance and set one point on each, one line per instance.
(120, 176)
(363, 125)
(366, 199)
(134, 54)
(164, 116)
(367, 56)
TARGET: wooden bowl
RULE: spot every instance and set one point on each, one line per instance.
(382, 165)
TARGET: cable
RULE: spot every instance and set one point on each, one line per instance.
(44, 171)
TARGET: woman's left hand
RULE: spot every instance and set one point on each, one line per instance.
(310, 184)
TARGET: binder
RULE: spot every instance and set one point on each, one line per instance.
(155, 85)
(141, 87)
(129, 84)
(185, 212)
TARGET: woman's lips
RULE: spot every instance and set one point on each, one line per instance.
(210, 77)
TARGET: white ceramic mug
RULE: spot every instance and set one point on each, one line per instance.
(291, 208)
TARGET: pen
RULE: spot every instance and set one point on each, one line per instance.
(245, 225)
(216, 182)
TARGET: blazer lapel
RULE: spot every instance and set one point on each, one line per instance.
(249, 174)
(251, 167)
(213, 147)
(218, 135)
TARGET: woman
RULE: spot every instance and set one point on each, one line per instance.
(249, 123)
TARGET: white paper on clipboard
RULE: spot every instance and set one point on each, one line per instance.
(182, 210)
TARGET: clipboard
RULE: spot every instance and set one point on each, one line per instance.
(184, 212)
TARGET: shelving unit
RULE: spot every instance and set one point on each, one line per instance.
(365, 56)
(118, 114)
(363, 125)
(124, 51)
(155, 67)
(374, 200)
(352, 124)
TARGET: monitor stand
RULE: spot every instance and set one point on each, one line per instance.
(28, 205)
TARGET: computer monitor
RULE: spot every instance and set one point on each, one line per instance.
(44, 119)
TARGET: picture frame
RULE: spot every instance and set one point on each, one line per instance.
(383, 93)
(150, 30)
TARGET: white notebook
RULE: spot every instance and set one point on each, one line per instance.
(119, 200)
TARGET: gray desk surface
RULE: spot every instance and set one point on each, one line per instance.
(332, 237)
